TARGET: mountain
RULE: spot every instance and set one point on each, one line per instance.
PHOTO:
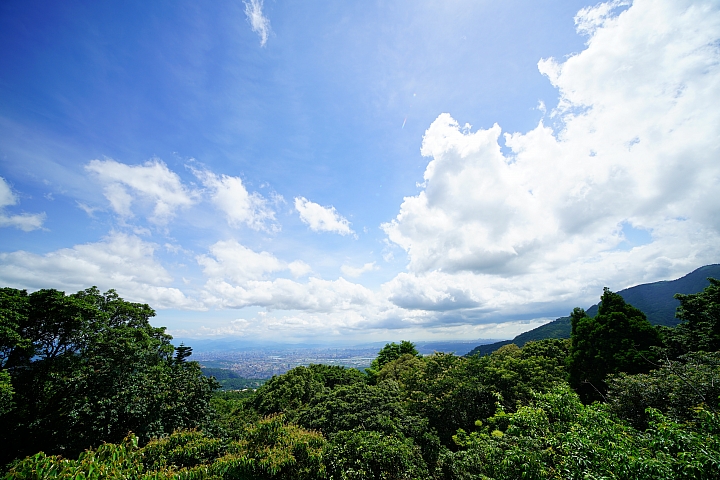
(655, 300)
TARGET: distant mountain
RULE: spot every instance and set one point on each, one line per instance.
(559, 328)
(655, 300)
(487, 349)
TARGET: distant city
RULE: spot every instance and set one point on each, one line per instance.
(264, 362)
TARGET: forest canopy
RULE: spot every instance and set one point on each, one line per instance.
(88, 388)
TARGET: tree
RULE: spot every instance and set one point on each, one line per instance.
(361, 455)
(88, 368)
(391, 351)
(450, 393)
(267, 449)
(6, 393)
(618, 339)
(402, 370)
(699, 329)
(288, 393)
(676, 389)
(359, 406)
(555, 436)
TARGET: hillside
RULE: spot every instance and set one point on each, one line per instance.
(655, 300)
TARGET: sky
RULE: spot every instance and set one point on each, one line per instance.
(343, 172)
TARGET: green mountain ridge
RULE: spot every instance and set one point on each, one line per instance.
(656, 300)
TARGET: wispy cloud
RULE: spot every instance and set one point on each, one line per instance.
(259, 22)
(357, 271)
(23, 221)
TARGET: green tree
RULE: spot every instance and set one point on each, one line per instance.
(362, 407)
(699, 329)
(89, 368)
(267, 449)
(288, 393)
(676, 389)
(555, 436)
(618, 339)
(391, 351)
(6, 393)
(450, 393)
(402, 370)
(453, 392)
(368, 455)
(332, 376)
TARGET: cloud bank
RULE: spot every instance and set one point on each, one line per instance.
(120, 261)
(239, 277)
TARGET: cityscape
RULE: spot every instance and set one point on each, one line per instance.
(263, 363)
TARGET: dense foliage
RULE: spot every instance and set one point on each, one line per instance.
(652, 411)
(88, 368)
(618, 339)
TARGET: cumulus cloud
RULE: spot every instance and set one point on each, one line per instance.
(151, 182)
(238, 277)
(322, 219)
(298, 268)
(235, 262)
(232, 198)
(634, 142)
(357, 271)
(316, 295)
(23, 221)
(258, 21)
(120, 261)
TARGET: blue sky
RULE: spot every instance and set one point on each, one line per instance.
(343, 172)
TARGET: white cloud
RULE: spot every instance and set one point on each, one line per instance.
(635, 144)
(120, 261)
(151, 182)
(321, 219)
(232, 198)
(87, 209)
(259, 22)
(23, 221)
(357, 271)
(237, 277)
(316, 295)
(237, 263)
(589, 19)
(7, 197)
(298, 268)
